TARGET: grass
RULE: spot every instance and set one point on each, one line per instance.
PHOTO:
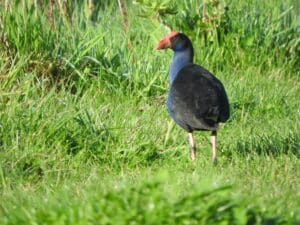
(85, 137)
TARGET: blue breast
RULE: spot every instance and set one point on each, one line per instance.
(181, 59)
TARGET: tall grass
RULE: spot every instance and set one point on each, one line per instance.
(84, 133)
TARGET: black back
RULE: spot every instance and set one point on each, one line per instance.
(198, 99)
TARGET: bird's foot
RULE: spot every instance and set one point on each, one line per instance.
(214, 161)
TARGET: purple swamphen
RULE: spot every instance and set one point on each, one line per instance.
(197, 100)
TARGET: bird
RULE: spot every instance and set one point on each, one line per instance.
(197, 100)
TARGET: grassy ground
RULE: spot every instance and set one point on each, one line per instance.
(85, 137)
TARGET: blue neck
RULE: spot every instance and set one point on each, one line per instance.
(180, 59)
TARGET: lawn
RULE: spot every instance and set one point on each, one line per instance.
(85, 136)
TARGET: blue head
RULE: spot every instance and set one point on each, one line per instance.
(183, 51)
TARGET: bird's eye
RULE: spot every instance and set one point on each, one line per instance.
(174, 39)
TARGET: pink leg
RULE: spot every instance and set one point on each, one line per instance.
(214, 146)
(193, 146)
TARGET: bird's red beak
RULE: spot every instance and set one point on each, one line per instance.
(166, 42)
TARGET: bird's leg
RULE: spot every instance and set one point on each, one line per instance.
(214, 146)
(193, 146)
